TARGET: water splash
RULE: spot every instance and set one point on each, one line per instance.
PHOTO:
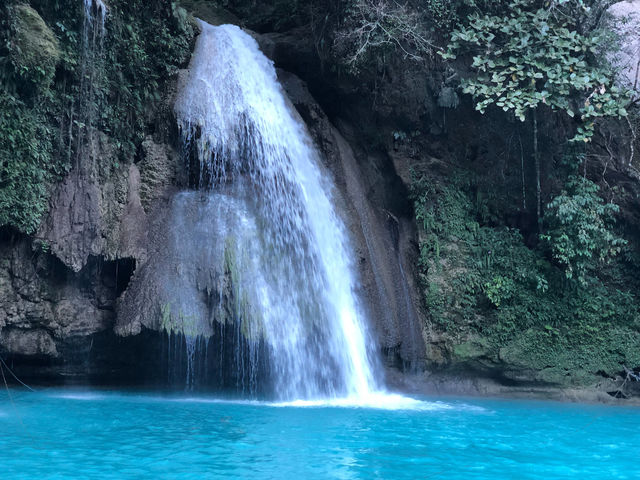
(374, 400)
(272, 226)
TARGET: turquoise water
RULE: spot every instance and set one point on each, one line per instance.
(55, 434)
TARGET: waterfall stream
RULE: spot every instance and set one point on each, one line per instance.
(91, 64)
(263, 221)
(100, 14)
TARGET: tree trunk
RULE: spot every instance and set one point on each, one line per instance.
(536, 159)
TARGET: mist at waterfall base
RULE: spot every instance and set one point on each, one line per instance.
(259, 236)
(60, 434)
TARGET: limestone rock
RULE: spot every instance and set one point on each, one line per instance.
(42, 303)
(627, 16)
(28, 342)
(158, 171)
(85, 207)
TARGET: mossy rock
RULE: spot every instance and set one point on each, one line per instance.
(242, 307)
(175, 321)
(472, 349)
(564, 361)
(35, 51)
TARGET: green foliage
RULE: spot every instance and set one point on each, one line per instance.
(29, 53)
(579, 229)
(25, 163)
(483, 281)
(443, 13)
(499, 289)
(468, 267)
(525, 56)
(446, 15)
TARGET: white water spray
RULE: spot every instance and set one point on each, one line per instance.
(270, 213)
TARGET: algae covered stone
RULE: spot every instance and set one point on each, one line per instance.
(35, 51)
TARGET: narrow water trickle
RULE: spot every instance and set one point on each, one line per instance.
(91, 66)
(97, 18)
(264, 220)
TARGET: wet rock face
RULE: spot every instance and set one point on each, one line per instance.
(30, 342)
(100, 208)
(58, 291)
(176, 287)
(629, 58)
(89, 198)
(43, 303)
(56, 325)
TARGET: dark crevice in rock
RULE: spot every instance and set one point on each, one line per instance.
(117, 274)
(618, 394)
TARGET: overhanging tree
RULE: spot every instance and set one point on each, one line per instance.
(528, 55)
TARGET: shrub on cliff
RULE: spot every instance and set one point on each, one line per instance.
(579, 232)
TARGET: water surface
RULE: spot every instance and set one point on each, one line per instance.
(55, 434)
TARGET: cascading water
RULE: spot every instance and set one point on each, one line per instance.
(271, 226)
(100, 13)
(91, 63)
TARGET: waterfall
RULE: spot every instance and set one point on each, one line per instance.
(91, 65)
(264, 228)
(96, 20)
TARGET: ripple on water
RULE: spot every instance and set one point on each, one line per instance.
(382, 436)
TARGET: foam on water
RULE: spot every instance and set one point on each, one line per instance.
(375, 400)
(381, 401)
(84, 396)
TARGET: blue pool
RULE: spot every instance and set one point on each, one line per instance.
(57, 433)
